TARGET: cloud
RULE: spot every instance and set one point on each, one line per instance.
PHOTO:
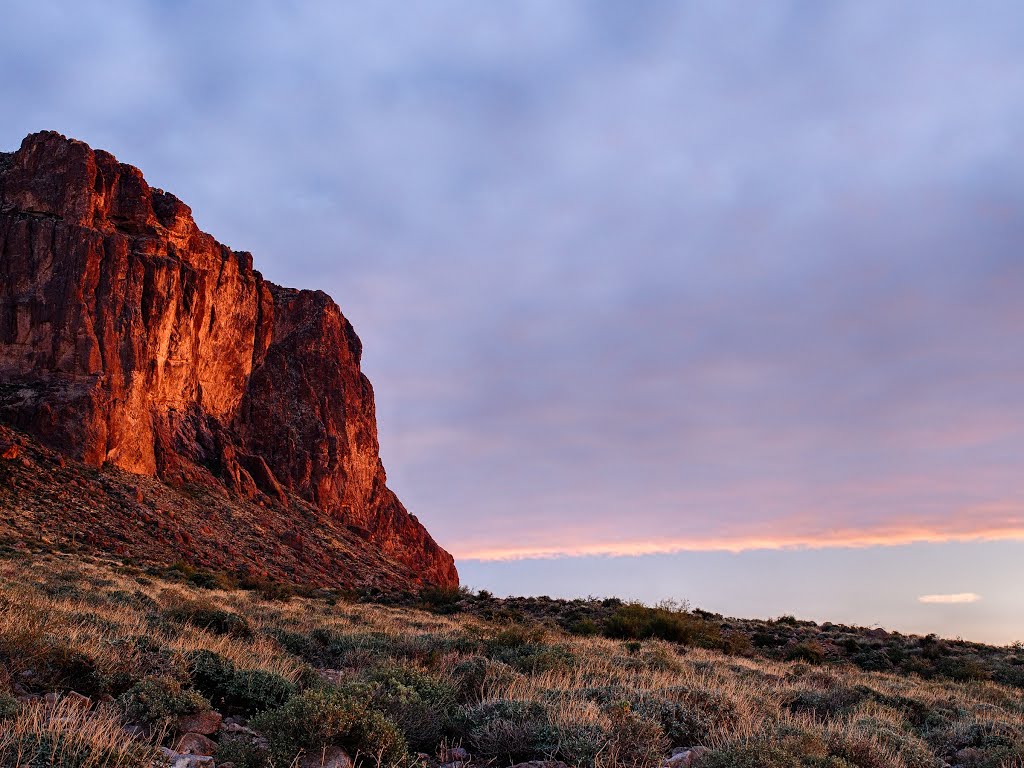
(959, 597)
(685, 277)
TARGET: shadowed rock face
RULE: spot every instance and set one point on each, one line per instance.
(129, 337)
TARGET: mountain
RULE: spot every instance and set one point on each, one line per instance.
(200, 399)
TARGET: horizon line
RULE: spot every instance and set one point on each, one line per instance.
(740, 544)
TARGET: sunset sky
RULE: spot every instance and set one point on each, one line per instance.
(717, 301)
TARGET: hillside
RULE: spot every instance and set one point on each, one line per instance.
(131, 340)
(255, 679)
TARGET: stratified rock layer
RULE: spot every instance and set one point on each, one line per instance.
(128, 337)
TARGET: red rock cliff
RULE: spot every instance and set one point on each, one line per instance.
(129, 337)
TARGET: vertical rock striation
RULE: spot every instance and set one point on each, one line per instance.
(130, 337)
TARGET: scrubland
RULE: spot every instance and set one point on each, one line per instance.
(103, 663)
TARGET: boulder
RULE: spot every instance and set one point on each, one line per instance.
(205, 723)
(196, 744)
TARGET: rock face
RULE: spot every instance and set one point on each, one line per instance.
(128, 337)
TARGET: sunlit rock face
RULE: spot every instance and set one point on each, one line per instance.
(130, 337)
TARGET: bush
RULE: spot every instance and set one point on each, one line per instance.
(159, 698)
(48, 663)
(810, 651)
(420, 705)
(212, 619)
(443, 599)
(475, 675)
(321, 718)
(635, 621)
(576, 743)
(239, 690)
(751, 755)
(506, 730)
(9, 707)
(241, 752)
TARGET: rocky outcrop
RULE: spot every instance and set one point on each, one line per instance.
(130, 338)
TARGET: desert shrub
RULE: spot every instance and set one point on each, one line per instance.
(508, 731)
(202, 615)
(428, 648)
(827, 704)
(635, 621)
(56, 665)
(576, 743)
(253, 690)
(135, 599)
(584, 628)
(751, 754)
(9, 706)
(1010, 675)
(305, 646)
(963, 668)
(241, 752)
(810, 651)
(421, 705)
(763, 639)
(534, 658)
(443, 600)
(475, 675)
(319, 718)
(513, 637)
(241, 690)
(635, 738)
(130, 659)
(158, 698)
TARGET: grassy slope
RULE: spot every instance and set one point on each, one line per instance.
(378, 679)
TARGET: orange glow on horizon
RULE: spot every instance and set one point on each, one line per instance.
(1013, 530)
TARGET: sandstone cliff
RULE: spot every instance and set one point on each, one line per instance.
(131, 339)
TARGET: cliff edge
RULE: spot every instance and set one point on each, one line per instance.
(130, 339)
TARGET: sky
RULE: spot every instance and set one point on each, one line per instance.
(718, 301)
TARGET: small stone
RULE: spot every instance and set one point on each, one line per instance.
(196, 744)
(10, 452)
(205, 723)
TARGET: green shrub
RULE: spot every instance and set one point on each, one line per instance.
(9, 707)
(319, 718)
(508, 731)
(584, 628)
(443, 599)
(810, 651)
(158, 698)
(755, 754)
(47, 662)
(475, 675)
(241, 752)
(635, 621)
(238, 690)
(205, 616)
(636, 739)
(575, 743)
(421, 705)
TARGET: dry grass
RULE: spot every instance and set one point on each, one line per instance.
(64, 734)
(600, 697)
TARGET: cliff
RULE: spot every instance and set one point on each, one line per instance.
(131, 339)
